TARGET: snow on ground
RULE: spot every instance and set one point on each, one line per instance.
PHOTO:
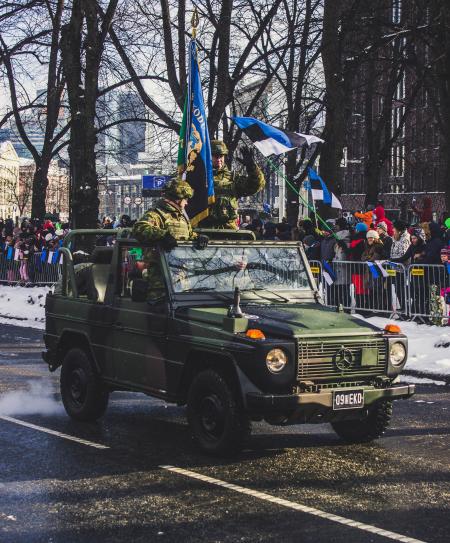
(423, 355)
(25, 307)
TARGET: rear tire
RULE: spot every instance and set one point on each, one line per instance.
(84, 397)
(373, 426)
(217, 420)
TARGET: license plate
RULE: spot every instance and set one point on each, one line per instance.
(348, 399)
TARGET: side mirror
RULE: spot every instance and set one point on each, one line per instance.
(139, 290)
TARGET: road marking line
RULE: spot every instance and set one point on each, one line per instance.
(237, 488)
(54, 432)
(293, 505)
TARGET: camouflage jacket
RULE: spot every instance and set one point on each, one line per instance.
(165, 218)
(228, 187)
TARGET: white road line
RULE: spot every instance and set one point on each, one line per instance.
(54, 432)
(240, 489)
(293, 505)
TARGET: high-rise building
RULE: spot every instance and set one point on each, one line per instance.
(131, 134)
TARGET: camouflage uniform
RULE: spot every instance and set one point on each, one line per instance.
(228, 187)
(166, 219)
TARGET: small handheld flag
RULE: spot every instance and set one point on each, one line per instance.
(270, 140)
(319, 190)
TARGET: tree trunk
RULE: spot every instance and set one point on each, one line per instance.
(335, 98)
(84, 181)
(40, 184)
(372, 174)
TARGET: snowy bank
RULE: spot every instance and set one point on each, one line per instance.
(23, 306)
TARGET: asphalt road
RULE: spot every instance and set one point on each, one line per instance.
(135, 475)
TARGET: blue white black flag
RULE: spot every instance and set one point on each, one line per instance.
(319, 190)
(270, 140)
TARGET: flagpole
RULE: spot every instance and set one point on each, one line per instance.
(275, 168)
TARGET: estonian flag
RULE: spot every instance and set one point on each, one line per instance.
(319, 191)
(194, 151)
(270, 140)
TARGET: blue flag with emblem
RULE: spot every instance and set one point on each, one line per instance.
(194, 152)
(373, 270)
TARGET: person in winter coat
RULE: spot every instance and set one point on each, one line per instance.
(434, 245)
(370, 295)
(340, 289)
(426, 213)
(416, 251)
(401, 240)
(400, 244)
(381, 217)
(367, 217)
(385, 238)
(357, 242)
(373, 247)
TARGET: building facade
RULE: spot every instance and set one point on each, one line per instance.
(57, 197)
(9, 180)
(402, 120)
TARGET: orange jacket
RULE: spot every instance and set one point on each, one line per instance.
(365, 217)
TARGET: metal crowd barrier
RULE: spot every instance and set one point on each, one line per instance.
(384, 287)
(37, 269)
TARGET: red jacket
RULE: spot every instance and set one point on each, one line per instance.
(381, 217)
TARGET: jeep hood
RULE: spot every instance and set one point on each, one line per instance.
(291, 320)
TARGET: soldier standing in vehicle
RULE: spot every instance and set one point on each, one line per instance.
(229, 186)
(166, 224)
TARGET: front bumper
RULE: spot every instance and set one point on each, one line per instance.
(265, 404)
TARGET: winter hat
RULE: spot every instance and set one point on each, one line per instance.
(372, 234)
(383, 226)
(59, 232)
(400, 225)
(419, 233)
(445, 251)
(447, 222)
(361, 227)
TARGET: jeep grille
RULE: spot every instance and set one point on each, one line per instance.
(317, 361)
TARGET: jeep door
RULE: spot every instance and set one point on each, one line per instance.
(140, 327)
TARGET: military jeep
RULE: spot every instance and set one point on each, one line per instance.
(236, 331)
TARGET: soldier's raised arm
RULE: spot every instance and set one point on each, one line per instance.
(254, 181)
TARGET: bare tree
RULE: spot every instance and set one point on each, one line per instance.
(30, 37)
(82, 45)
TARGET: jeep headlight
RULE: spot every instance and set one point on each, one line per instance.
(397, 353)
(276, 360)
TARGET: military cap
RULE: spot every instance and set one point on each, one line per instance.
(177, 189)
(218, 148)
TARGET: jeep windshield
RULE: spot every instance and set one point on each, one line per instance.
(251, 268)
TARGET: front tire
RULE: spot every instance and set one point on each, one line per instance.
(84, 397)
(217, 420)
(373, 426)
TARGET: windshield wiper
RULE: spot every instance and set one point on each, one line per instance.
(256, 291)
(211, 291)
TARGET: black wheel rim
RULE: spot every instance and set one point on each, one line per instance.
(78, 386)
(212, 417)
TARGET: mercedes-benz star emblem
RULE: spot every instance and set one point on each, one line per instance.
(343, 359)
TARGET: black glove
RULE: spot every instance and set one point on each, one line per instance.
(201, 241)
(247, 159)
(169, 242)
